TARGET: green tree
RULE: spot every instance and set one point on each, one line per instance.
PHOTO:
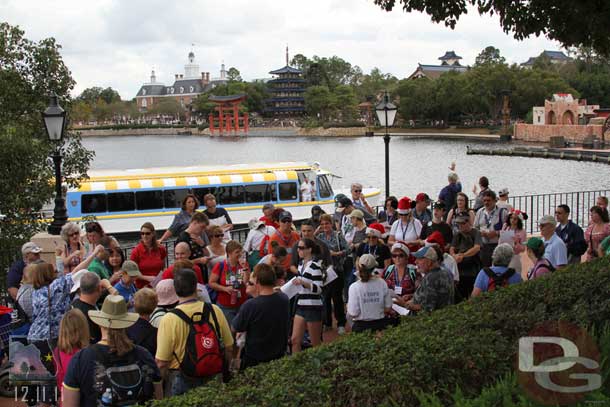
(81, 112)
(30, 72)
(346, 102)
(167, 107)
(558, 20)
(233, 75)
(202, 106)
(490, 55)
(373, 84)
(319, 102)
(93, 94)
(417, 99)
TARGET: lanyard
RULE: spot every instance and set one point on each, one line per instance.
(404, 231)
(187, 301)
(489, 218)
(396, 282)
(374, 252)
(286, 242)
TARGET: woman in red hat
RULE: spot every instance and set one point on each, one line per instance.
(406, 229)
(374, 246)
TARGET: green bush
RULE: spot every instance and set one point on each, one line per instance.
(138, 126)
(328, 125)
(468, 346)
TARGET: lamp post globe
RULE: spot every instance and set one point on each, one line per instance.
(54, 119)
(386, 113)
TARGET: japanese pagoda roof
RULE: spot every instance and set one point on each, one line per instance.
(229, 98)
(450, 55)
(286, 69)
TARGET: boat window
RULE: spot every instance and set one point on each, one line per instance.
(288, 191)
(201, 192)
(260, 193)
(121, 202)
(149, 200)
(324, 188)
(230, 195)
(172, 198)
(93, 203)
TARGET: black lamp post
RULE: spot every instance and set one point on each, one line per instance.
(54, 118)
(386, 113)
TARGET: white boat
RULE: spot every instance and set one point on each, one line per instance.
(122, 200)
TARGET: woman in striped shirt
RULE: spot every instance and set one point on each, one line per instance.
(309, 300)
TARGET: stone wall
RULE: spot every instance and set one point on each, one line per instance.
(543, 133)
(333, 132)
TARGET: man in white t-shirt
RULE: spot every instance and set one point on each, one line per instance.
(305, 190)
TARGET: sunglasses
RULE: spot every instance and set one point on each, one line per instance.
(221, 235)
(250, 283)
(398, 255)
(286, 221)
(146, 233)
(74, 234)
(357, 190)
(302, 248)
(371, 236)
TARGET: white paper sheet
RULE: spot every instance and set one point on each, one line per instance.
(507, 236)
(400, 310)
(331, 275)
(290, 289)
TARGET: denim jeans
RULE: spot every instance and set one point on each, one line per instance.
(182, 384)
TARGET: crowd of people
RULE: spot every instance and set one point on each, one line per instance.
(220, 307)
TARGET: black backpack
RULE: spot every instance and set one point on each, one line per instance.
(498, 280)
(122, 381)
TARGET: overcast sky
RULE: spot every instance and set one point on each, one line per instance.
(116, 43)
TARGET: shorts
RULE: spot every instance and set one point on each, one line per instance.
(310, 314)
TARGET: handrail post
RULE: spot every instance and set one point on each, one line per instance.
(531, 211)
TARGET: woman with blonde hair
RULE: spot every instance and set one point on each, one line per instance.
(74, 251)
(87, 381)
(73, 336)
(216, 246)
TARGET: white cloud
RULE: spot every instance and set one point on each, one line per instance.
(116, 43)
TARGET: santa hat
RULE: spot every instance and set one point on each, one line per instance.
(375, 229)
(405, 204)
(436, 237)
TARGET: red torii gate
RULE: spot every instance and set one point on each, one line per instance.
(228, 114)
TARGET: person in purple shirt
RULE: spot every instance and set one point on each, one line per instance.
(449, 192)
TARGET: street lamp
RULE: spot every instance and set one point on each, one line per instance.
(386, 113)
(54, 118)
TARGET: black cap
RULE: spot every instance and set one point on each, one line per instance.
(345, 202)
(440, 205)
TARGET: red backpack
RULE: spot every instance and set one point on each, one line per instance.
(204, 350)
(498, 280)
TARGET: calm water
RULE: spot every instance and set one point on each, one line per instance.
(416, 165)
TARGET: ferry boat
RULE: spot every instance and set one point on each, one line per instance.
(122, 200)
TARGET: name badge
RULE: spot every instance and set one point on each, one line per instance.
(289, 250)
(398, 290)
(232, 279)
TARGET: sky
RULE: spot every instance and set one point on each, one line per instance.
(116, 43)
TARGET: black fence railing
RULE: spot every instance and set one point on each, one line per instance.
(535, 206)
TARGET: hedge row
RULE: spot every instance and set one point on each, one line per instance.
(138, 126)
(507, 392)
(468, 346)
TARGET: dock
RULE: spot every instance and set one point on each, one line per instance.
(574, 154)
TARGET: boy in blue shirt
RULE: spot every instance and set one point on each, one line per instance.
(126, 285)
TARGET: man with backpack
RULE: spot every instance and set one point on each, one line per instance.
(194, 341)
(499, 274)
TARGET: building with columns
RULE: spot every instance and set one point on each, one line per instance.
(185, 88)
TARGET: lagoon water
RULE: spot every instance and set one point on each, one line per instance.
(416, 164)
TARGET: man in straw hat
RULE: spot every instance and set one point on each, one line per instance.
(87, 381)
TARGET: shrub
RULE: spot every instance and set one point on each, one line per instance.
(328, 125)
(467, 346)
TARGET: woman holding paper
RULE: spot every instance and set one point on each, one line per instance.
(309, 281)
(369, 298)
(514, 234)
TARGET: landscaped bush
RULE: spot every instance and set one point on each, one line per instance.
(328, 125)
(468, 346)
(137, 126)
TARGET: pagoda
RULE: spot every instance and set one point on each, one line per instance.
(286, 91)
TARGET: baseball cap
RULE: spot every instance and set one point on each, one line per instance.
(401, 246)
(343, 203)
(547, 219)
(534, 243)
(368, 261)
(503, 192)
(440, 205)
(131, 268)
(285, 215)
(357, 213)
(426, 252)
(255, 223)
(422, 197)
(30, 247)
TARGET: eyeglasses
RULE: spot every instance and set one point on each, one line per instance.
(220, 235)
(371, 236)
(302, 248)
(398, 255)
(146, 233)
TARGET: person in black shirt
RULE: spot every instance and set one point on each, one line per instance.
(194, 237)
(90, 292)
(142, 332)
(264, 319)
(218, 216)
(437, 224)
(374, 246)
